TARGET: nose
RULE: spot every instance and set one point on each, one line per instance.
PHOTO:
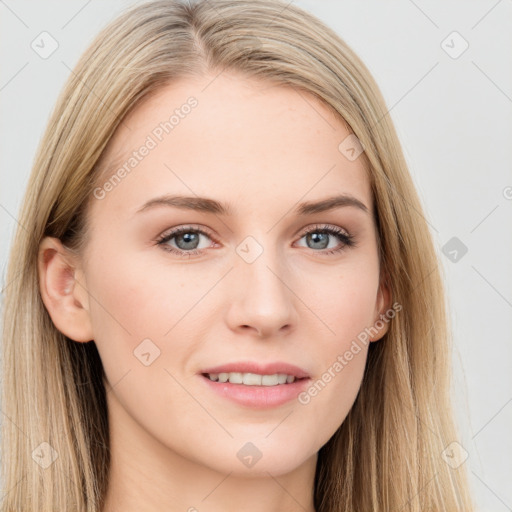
(262, 300)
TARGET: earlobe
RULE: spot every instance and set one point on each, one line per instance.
(63, 291)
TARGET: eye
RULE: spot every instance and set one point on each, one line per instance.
(319, 235)
(187, 240)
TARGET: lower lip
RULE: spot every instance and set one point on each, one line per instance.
(260, 397)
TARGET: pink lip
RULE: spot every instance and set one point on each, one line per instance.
(258, 397)
(262, 369)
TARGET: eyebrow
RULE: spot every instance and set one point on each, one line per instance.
(208, 205)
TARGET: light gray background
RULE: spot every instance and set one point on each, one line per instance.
(453, 116)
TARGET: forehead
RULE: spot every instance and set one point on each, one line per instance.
(236, 139)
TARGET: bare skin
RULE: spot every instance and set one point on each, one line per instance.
(262, 149)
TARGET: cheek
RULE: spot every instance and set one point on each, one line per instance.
(136, 299)
(332, 392)
(131, 309)
(343, 299)
(346, 307)
(124, 305)
(145, 318)
(135, 307)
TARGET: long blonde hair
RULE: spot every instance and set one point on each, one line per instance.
(387, 454)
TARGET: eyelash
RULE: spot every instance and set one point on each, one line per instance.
(346, 239)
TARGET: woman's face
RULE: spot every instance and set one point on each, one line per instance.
(245, 284)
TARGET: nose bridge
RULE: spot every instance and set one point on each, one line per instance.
(260, 265)
(263, 298)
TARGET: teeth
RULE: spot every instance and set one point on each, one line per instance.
(252, 379)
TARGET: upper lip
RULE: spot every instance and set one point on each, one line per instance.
(260, 368)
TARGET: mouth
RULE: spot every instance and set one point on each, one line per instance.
(254, 385)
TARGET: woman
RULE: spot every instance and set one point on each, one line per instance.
(225, 294)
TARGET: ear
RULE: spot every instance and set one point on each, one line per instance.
(63, 290)
(382, 305)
